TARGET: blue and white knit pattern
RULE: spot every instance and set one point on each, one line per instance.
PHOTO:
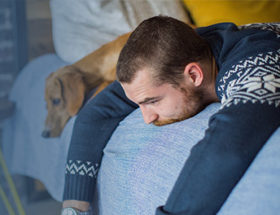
(254, 79)
(275, 27)
(83, 168)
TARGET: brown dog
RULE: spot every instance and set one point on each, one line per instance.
(67, 88)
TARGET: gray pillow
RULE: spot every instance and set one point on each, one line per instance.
(141, 162)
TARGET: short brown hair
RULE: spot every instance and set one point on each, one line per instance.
(163, 44)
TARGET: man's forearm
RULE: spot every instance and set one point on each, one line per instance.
(93, 128)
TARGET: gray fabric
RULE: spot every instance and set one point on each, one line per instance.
(258, 192)
(85, 25)
(25, 150)
(141, 162)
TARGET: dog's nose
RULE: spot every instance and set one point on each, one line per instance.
(46, 134)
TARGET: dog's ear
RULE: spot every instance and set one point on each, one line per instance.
(73, 91)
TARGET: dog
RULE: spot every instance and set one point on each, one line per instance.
(67, 88)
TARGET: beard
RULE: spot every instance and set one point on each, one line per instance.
(193, 100)
(170, 121)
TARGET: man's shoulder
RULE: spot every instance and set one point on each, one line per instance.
(255, 78)
(231, 43)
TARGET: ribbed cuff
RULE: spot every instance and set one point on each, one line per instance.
(79, 187)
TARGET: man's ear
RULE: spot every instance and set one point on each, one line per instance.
(193, 73)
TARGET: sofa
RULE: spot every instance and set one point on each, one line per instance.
(141, 162)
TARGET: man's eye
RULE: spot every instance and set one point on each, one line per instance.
(153, 102)
(55, 101)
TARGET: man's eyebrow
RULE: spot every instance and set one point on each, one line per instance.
(149, 99)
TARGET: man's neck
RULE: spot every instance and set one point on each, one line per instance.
(210, 94)
(214, 73)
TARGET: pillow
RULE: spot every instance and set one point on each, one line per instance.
(141, 162)
(205, 12)
(81, 26)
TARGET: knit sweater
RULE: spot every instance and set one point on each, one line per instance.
(248, 85)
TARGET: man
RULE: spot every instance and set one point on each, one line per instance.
(172, 72)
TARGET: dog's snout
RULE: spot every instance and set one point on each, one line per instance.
(46, 134)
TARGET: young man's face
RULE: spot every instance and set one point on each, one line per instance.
(162, 104)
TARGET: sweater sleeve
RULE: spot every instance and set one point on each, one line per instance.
(250, 113)
(93, 127)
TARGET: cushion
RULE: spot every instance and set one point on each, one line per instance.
(205, 12)
(80, 27)
(142, 162)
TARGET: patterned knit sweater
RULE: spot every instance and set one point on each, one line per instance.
(248, 85)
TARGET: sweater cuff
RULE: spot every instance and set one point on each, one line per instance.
(80, 181)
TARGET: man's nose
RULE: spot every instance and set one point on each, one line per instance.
(148, 115)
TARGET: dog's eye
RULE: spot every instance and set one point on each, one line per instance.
(55, 101)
